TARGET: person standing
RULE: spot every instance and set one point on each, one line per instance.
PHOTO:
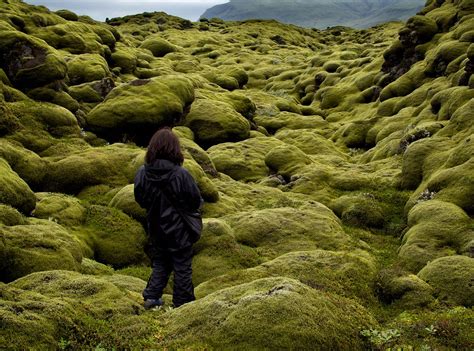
(168, 192)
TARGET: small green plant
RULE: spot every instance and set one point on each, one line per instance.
(100, 348)
(63, 344)
(380, 338)
(431, 329)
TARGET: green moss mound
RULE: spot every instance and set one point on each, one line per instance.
(452, 279)
(67, 15)
(218, 252)
(55, 120)
(107, 165)
(216, 122)
(28, 61)
(243, 160)
(87, 68)
(15, 192)
(310, 141)
(60, 98)
(349, 274)
(67, 308)
(39, 245)
(158, 102)
(295, 316)
(9, 123)
(286, 160)
(280, 230)
(125, 60)
(91, 267)
(209, 191)
(362, 210)
(113, 237)
(63, 209)
(437, 229)
(403, 290)
(10, 216)
(124, 200)
(289, 120)
(27, 164)
(159, 47)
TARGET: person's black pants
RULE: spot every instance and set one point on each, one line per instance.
(163, 263)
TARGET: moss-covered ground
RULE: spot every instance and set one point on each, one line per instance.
(337, 168)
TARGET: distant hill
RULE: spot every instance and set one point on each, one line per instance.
(318, 13)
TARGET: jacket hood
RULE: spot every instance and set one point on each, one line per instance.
(160, 171)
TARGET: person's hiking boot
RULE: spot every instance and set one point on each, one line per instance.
(152, 304)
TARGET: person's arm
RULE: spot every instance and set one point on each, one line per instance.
(190, 194)
(139, 188)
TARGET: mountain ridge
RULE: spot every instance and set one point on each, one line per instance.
(318, 13)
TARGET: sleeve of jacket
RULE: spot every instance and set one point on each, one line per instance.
(190, 194)
(139, 188)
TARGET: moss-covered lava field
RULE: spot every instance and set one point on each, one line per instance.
(337, 168)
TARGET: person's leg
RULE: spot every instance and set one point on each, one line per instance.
(162, 265)
(183, 289)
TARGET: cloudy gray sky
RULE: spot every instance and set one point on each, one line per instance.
(99, 10)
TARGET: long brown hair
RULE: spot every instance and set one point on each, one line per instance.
(164, 144)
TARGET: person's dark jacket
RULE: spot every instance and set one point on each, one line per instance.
(153, 186)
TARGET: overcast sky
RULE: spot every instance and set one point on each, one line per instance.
(99, 10)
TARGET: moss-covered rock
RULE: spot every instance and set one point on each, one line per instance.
(27, 164)
(158, 102)
(280, 230)
(414, 157)
(125, 60)
(92, 92)
(218, 252)
(15, 192)
(295, 316)
(289, 120)
(444, 54)
(60, 98)
(446, 102)
(124, 200)
(63, 209)
(243, 160)
(67, 15)
(113, 237)
(55, 120)
(310, 141)
(353, 135)
(39, 245)
(437, 229)
(239, 102)
(420, 28)
(87, 68)
(10, 216)
(404, 290)
(81, 310)
(107, 165)
(91, 267)
(286, 160)
(222, 80)
(29, 62)
(359, 210)
(452, 279)
(9, 123)
(198, 154)
(347, 274)
(158, 46)
(216, 122)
